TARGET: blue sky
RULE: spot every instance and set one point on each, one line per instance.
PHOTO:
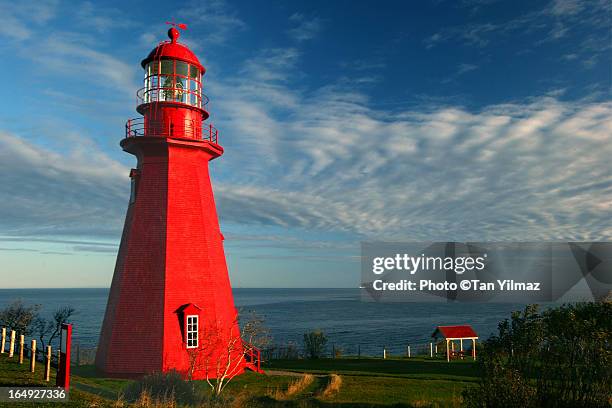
(449, 120)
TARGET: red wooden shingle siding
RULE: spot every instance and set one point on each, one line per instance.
(456, 331)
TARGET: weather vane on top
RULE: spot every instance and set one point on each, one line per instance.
(179, 25)
(173, 33)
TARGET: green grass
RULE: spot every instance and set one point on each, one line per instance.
(255, 384)
(13, 373)
(84, 392)
(366, 382)
(417, 368)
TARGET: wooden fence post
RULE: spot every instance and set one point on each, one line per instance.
(21, 340)
(48, 364)
(3, 340)
(12, 344)
(408, 351)
(33, 356)
(384, 352)
(431, 350)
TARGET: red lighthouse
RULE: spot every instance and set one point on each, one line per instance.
(170, 292)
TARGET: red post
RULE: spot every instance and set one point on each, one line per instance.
(63, 370)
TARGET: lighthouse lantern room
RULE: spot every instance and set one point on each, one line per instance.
(170, 297)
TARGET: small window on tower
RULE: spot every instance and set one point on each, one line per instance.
(192, 331)
(133, 191)
(133, 185)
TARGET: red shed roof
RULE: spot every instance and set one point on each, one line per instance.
(455, 332)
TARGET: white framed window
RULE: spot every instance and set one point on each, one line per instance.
(192, 331)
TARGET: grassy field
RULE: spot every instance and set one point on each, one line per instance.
(416, 368)
(361, 383)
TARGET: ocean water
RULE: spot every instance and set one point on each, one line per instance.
(349, 323)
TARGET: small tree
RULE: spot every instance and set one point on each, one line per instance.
(19, 317)
(315, 344)
(49, 329)
(221, 352)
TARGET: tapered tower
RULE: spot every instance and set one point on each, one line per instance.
(170, 296)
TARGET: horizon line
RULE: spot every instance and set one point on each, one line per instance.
(241, 287)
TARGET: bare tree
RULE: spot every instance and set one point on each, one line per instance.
(19, 317)
(221, 352)
(49, 329)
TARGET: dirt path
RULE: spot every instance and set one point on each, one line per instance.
(291, 373)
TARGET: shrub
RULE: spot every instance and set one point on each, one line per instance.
(289, 352)
(295, 387)
(333, 386)
(559, 358)
(165, 388)
(315, 344)
(502, 387)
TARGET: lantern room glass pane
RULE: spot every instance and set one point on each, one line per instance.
(153, 68)
(167, 85)
(167, 67)
(180, 85)
(193, 71)
(182, 68)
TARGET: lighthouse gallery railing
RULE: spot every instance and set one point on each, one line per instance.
(136, 127)
(172, 94)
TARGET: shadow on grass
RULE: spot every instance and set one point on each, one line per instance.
(268, 402)
(435, 369)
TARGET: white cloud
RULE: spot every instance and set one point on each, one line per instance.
(325, 160)
(461, 70)
(148, 39)
(328, 161)
(275, 64)
(305, 29)
(215, 19)
(68, 54)
(80, 192)
(99, 18)
(555, 20)
(17, 20)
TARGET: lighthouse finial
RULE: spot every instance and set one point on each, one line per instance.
(173, 33)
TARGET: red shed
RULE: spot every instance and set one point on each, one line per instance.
(454, 333)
